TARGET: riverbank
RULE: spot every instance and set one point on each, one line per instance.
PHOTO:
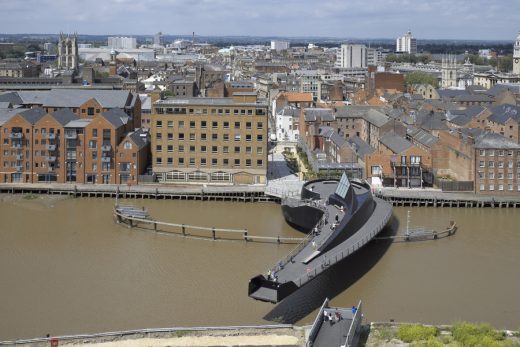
(459, 334)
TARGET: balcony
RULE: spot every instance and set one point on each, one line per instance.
(51, 159)
(18, 168)
(16, 145)
(50, 147)
(15, 135)
(19, 157)
(51, 136)
(105, 159)
(106, 148)
(71, 135)
(50, 169)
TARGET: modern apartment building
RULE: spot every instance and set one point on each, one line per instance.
(60, 146)
(406, 44)
(210, 140)
(352, 56)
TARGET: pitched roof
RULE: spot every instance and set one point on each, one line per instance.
(76, 97)
(64, 116)
(395, 143)
(361, 147)
(502, 113)
(313, 114)
(33, 115)
(139, 137)
(299, 97)
(116, 116)
(492, 140)
(11, 97)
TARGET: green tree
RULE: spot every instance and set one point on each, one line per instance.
(420, 78)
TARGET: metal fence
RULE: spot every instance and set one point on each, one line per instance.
(455, 186)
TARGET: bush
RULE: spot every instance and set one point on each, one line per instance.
(476, 335)
(411, 333)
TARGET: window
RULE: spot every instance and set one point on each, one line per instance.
(127, 145)
(90, 111)
(192, 124)
(225, 149)
(500, 175)
(214, 137)
(181, 136)
(158, 160)
(248, 162)
(237, 162)
(203, 124)
(509, 175)
(500, 164)
(237, 125)
(510, 187)
(181, 124)
(260, 125)
(491, 175)
(259, 150)
(192, 161)
(491, 153)
(237, 149)
(510, 164)
(181, 148)
(170, 136)
(158, 124)
(181, 161)
(226, 137)
(225, 162)
(203, 161)
(170, 148)
(259, 137)
(94, 132)
(248, 125)
(192, 137)
(248, 150)
(259, 162)
(237, 137)
(500, 187)
(214, 149)
(501, 152)
(91, 144)
(158, 136)
(158, 148)
(481, 175)
(491, 187)
(170, 161)
(214, 161)
(170, 124)
(482, 187)
(203, 149)
(491, 163)
(203, 137)
(192, 149)
(214, 125)
(481, 163)
(226, 125)
(248, 137)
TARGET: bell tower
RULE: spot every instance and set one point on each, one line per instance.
(448, 72)
(516, 56)
(68, 52)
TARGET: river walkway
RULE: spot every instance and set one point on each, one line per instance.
(437, 198)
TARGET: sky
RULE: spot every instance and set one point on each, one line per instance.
(364, 19)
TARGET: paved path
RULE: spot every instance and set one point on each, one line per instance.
(281, 180)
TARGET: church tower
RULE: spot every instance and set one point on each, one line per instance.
(68, 52)
(448, 72)
(516, 56)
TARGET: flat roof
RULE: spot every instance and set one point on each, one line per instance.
(206, 102)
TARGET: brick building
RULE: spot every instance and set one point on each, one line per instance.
(64, 147)
(210, 140)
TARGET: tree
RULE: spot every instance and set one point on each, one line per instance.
(420, 78)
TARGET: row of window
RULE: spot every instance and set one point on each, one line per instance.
(204, 161)
(499, 175)
(499, 152)
(500, 187)
(195, 176)
(205, 149)
(500, 164)
(204, 137)
(220, 111)
(204, 124)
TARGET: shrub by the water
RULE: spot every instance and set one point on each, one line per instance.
(411, 332)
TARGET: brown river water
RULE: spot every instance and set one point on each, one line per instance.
(67, 268)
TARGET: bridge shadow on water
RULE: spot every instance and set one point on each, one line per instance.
(333, 281)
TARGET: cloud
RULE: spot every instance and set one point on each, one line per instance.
(469, 19)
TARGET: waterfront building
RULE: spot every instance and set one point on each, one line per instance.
(210, 140)
(516, 56)
(406, 44)
(64, 147)
(287, 124)
(352, 56)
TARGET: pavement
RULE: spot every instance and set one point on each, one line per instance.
(281, 180)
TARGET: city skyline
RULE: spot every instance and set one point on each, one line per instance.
(439, 19)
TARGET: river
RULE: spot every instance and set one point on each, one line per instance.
(67, 268)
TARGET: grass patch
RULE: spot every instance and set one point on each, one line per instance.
(415, 333)
(386, 333)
